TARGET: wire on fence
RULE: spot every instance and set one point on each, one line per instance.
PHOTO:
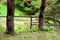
(35, 16)
(48, 24)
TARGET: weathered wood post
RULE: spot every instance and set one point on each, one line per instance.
(10, 16)
(31, 23)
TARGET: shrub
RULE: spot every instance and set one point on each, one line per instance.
(2, 29)
(34, 29)
(49, 28)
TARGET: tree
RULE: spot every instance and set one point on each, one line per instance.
(27, 6)
(54, 11)
(41, 15)
(10, 16)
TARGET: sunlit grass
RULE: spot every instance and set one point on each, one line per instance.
(18, 12)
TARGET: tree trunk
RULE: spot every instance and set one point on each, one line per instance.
(10, 16)
(59, 24)
(58, 27)
(41, 15)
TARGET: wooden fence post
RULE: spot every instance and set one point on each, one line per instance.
(31, 23)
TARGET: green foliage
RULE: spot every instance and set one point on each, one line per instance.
(4, 12)
(3, 9)
(18, 12)
(19, 29)
(53, 8)
(2, 29)
(49, 28)
(21, 9)
(58, 2)
(49, 25)
(34, 29)
(26, 8)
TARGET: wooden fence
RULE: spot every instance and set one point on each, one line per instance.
(37, 17)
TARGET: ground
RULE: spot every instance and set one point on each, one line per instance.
(32, 36)
(24, 23)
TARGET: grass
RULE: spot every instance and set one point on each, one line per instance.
(22, 24)
(32, 36)
(24, 33)
(21, 19)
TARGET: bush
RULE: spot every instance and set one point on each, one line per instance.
(2, 29)
(33, 29)
(19, 29)
(49, 28)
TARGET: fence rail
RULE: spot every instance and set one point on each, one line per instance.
(48, 24)
(37, 17)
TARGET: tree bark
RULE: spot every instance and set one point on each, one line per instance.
(41, 15)
(59, 24)
(10, 16)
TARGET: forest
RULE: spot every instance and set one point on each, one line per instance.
(40, 19)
